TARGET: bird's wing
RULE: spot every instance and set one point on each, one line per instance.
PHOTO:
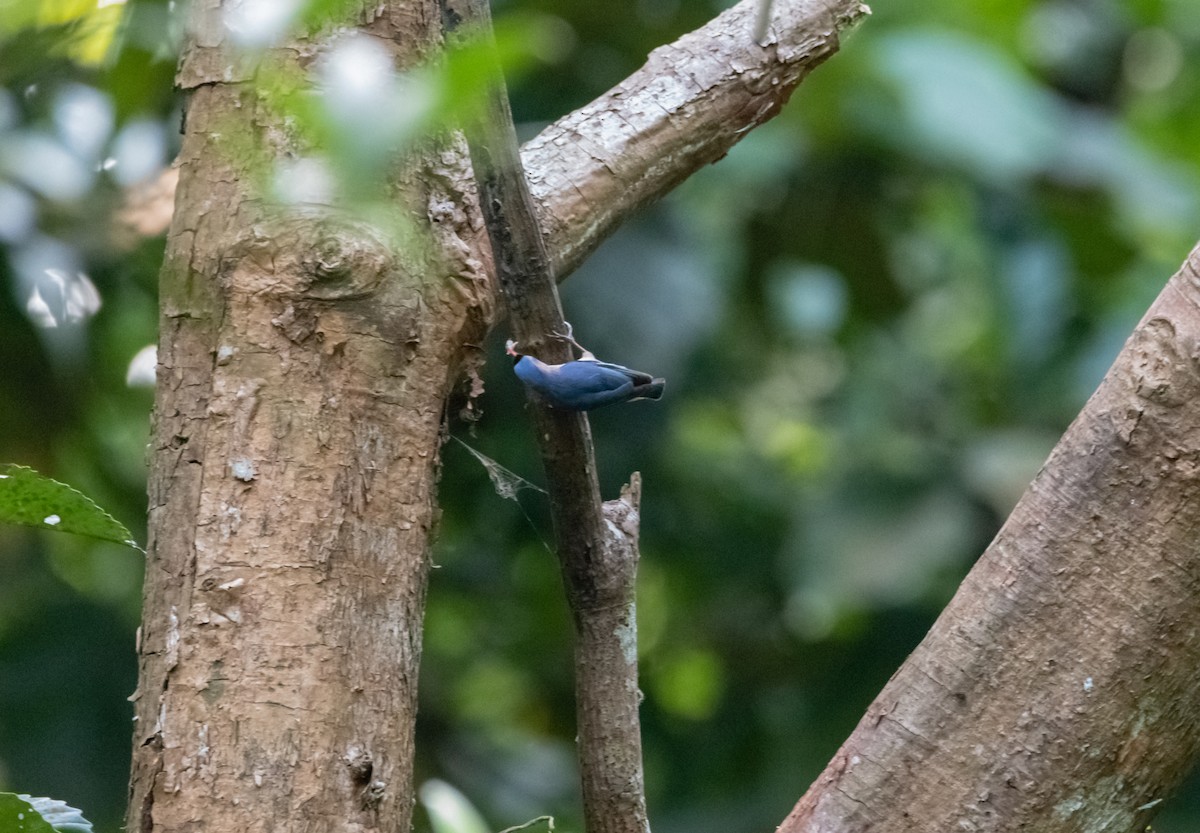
(592, 377)
(635, 376)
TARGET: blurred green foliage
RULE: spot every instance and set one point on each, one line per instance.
(876, 315)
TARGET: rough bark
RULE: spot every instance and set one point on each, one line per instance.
(304, 366)
(692, 101)
(1059, 689)
(596, 545)
(607, 696)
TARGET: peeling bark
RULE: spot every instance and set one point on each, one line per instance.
(1058, 691)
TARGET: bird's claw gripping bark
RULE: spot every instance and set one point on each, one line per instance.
(569, 337)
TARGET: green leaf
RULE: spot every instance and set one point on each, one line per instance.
(18, 816)
(690, 684)
(25, 814)
(29, 499)
(61, 817)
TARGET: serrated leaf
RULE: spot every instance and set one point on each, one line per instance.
(30, 499)
(18, 816)
(58, 814)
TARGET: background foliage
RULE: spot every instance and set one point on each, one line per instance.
(876, 315)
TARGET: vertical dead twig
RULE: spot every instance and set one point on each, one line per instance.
(762, 22)
(597, 544)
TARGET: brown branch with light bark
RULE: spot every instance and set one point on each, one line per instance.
(1059, 688)
(691, 102)
(596, 544)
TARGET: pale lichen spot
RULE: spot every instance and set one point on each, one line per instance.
(1068, 807)
(626, 634)
(243, 469)
(172, 640)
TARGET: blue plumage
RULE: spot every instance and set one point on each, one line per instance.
(583, 384)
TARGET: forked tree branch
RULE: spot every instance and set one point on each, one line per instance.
(596, 545)
(691, 102)
(1059, 689)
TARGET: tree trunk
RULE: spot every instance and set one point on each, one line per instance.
(305, 363)
(304, 367)
(1059, 690)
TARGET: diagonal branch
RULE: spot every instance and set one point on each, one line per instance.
(1058, 689)
(597, 545)
(692, 101)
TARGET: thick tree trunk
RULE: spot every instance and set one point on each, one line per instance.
(304, 366)
(1059, 690)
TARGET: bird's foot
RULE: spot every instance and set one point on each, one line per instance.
(569, 337)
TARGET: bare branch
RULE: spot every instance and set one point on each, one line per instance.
(692, 101)
(597, 547)
(1058, 690)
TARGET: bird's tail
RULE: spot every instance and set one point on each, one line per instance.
(650, 390)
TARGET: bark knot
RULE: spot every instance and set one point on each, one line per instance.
(358, 761)
(345, 262)
(310, 253)
(1164, 369)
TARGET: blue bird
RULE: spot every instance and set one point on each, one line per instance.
(583, 384)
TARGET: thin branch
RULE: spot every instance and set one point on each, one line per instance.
(597, 546)
(762, 23)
